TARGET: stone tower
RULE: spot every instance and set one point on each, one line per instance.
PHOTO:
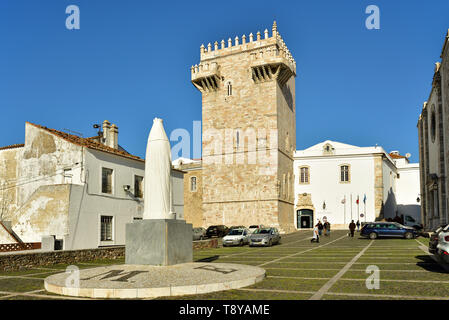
(249, 130)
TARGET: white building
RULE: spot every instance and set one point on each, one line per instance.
(342, 182)
(83, 191)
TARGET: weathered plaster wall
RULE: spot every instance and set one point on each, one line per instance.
(5, 237)
(44, 158)
(45, 213)
(8, 179)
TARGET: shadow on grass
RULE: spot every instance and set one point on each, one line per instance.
(428, 264)
(208, 259)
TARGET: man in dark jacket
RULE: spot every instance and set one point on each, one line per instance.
(352, 228)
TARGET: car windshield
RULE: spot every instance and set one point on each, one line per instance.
(235, 232)
(263, 231)
(197, 230)
(398, 224)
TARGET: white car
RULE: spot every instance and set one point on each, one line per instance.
(255, 227)
(443, 244)
(236, 237)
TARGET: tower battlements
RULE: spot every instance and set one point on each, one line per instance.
(269, 56)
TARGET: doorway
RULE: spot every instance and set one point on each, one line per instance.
(304, 219)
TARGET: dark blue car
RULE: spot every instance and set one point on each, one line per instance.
(374, 230)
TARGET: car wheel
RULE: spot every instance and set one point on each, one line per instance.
(373, 235)
(408, 235)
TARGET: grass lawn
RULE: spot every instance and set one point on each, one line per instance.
(296, 269)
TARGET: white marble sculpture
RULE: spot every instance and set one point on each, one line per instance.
(158, 187)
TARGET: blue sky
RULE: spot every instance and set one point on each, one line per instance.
(130, 62)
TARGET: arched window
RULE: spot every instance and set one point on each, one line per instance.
(229, 88)
(433, 124)
(237, 139)
(193, 184)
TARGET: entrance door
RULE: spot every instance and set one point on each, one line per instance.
(304, 219)
(305, 222)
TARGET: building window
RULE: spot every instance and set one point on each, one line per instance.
(304, 175)
(138, 186)
(229, 87)
(106, 180)
(193, 184)
(106, 228)
(433, 124)
(344, 173)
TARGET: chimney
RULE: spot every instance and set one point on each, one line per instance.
(106, 130)
(113, 137)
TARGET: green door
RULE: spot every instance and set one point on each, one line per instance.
(304, 219)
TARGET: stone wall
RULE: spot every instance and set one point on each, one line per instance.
(249, 132)
(26, 260)
(193, 200)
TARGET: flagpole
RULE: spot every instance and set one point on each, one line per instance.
(351, 206)
(358, 207)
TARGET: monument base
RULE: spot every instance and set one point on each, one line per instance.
(158, 242)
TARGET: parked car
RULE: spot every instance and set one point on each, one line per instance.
(255, 227)
(433, 239)
(216, 231)
(374, 230)
(443, 244)
(199, 233)
(264, 237)
(236, 237)
(236, 227)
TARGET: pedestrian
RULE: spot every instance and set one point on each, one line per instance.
(320, 227)
(358, 225)
(327, 228)
(316, 237)
(351, 228)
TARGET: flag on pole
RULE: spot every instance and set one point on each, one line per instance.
(364, 198)
(357, 201)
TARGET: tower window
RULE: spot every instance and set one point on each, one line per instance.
(193, 184)
(229, 86)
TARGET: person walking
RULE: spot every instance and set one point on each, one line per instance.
(351, 228)
(320, 228)
(327, 228)
(316, 237)
(358, 225)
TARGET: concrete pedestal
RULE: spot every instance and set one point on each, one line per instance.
(158, 242)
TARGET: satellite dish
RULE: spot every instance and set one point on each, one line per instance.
(408, 155)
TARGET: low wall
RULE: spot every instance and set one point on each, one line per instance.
(204, 244)
(27, 260)
(8, 247)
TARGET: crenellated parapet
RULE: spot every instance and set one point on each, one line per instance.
(270, 59)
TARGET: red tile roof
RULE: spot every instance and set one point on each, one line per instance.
(13, 146)
(396, 156)
(87, 142)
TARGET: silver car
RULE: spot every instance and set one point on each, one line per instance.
(236, 237)
(265, 237)
(199, 234)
